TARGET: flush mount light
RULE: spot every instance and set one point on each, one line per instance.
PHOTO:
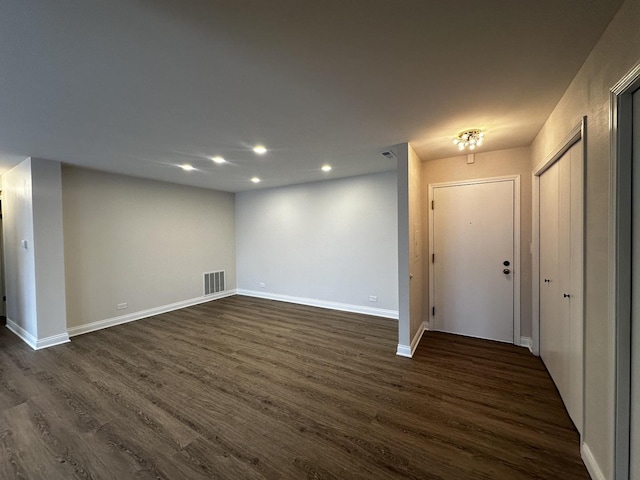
(326, 168)
(469, 138)
(260, 149)
(255, 180)
(218, 159)
(187, 168)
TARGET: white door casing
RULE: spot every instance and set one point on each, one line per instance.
(474, 228)
(623, 194)
(634, 437)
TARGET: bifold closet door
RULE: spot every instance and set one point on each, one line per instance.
(560, 254)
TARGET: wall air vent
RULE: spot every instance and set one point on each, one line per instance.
(388, 154)
(214, 282)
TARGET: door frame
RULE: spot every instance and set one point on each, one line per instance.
(577, 134)
(620, 199)
(516, 245)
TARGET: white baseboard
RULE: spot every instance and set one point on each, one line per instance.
(404, 351)
(409, 350)
(343, 307)
(590, 462)
(53, 341)
(131, 317)
(33, 342)
(25, 336)
(527, 343)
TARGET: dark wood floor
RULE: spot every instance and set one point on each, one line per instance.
(243, 388)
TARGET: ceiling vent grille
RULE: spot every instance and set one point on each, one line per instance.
(214, 282)
(388, 154)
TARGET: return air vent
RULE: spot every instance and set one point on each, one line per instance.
(214, 282)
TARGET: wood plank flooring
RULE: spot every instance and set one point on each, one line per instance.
(243, 388)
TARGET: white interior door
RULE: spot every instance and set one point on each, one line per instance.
(473, 262)
(561, 312)
(635, 298)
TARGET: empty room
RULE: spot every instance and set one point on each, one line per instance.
(319, 240)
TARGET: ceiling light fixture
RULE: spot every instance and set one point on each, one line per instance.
(218, 159)
(469, 138)
(187, 168)
(255, 180)
(260, 149)
(326, 168)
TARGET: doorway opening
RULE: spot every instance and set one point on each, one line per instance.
(474, 258)
(623, 268)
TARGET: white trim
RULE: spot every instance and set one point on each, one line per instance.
(516, 260)
(25, 336)
(535, 265)
(408, 351)
(627, 84)
(404, 351)
(417, 337)
(343, 307)
(33, 342)
(52, 341)
(131, 317)
(590, 462)
(516, 245)
(526, 342)
(574, 136)
(620, 245)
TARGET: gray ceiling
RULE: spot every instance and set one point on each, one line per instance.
(138, 87)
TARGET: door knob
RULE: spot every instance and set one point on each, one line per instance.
(506, 263)
(506, 271)
(566, 295)
(546, 280)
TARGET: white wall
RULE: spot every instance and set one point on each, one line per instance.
(418, 282)
(20, 270)
(330, 243)
(49, 248)
(410, 246)
(140, 242)
(32, 210)
(404, 255)
(514, 161)
(615, 54)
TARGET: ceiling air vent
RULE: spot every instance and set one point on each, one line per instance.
(214, 282)
(388, 154)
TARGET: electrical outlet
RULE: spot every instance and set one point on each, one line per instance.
(262, 285)
(122, 306)
(373, 298)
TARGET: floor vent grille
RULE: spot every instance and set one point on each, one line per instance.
(214, 282)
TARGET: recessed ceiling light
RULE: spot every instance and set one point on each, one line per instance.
(255, 180)
(218, 159)
(186, 167)
(260, 149)
(326, 168)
